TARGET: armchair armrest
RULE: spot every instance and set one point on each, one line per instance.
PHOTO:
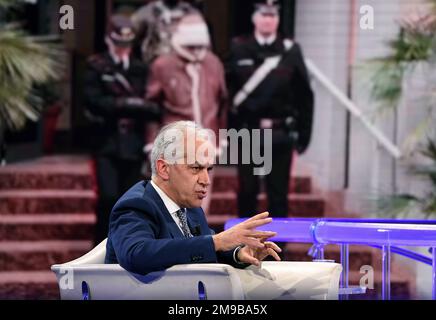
(291, 281)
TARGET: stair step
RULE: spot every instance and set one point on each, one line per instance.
(28, 285)
(46, 201)
(44, 180)
(59, 173)
(359, 256)
(400, 287)
(223, 183)
(307, 206)
(39, 255)
(23, 227)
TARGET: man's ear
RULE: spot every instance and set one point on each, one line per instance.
(162, 168)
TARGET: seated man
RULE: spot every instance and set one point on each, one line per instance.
(159, 224)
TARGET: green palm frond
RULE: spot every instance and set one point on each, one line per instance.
(385, 76)
(25, 60)
(403, 206)
(428, 172)
(429, 207)
(7, 3)
(430, 150)
(417, 136)
(397, 205)
(415, 43)
(412, 45)
(24, 63)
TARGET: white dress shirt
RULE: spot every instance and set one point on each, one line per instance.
(263, 41)
(171, 206)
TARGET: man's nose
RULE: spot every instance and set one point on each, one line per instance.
(203, 178)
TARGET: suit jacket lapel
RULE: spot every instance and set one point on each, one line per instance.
(171, 225)
(193, 223)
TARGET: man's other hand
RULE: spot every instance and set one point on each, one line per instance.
(256, 255)
(245, 234)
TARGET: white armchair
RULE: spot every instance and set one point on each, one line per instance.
(89, 278)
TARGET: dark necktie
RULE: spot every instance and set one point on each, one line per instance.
(181, 214)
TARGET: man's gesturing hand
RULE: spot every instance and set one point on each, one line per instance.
(244, 234)
(256, 255)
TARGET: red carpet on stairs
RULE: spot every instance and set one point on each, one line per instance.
(46, 217)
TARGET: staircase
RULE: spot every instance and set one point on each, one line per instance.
(46, 217)
(224, 198)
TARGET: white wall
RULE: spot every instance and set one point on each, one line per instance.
(371, 167)
(322, 31)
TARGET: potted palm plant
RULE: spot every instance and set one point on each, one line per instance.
(25, 65)
(412, 57)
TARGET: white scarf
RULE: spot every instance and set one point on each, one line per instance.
(192, 34)
(193, 70)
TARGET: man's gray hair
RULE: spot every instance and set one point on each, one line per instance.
(167, 138)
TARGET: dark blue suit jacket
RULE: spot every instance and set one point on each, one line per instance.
(143, 236)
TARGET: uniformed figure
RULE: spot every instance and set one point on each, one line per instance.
(114, 89)
(270, 87)
(155, 23)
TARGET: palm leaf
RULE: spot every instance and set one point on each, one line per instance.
(415, 42)
(24, 63)
(430, 151)
(385, 77)
(397, 205)
(429, 205)
(412, 46)
(426, 171)
(417, 135)
(8, 3)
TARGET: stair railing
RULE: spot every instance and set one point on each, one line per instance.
(354, 110)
